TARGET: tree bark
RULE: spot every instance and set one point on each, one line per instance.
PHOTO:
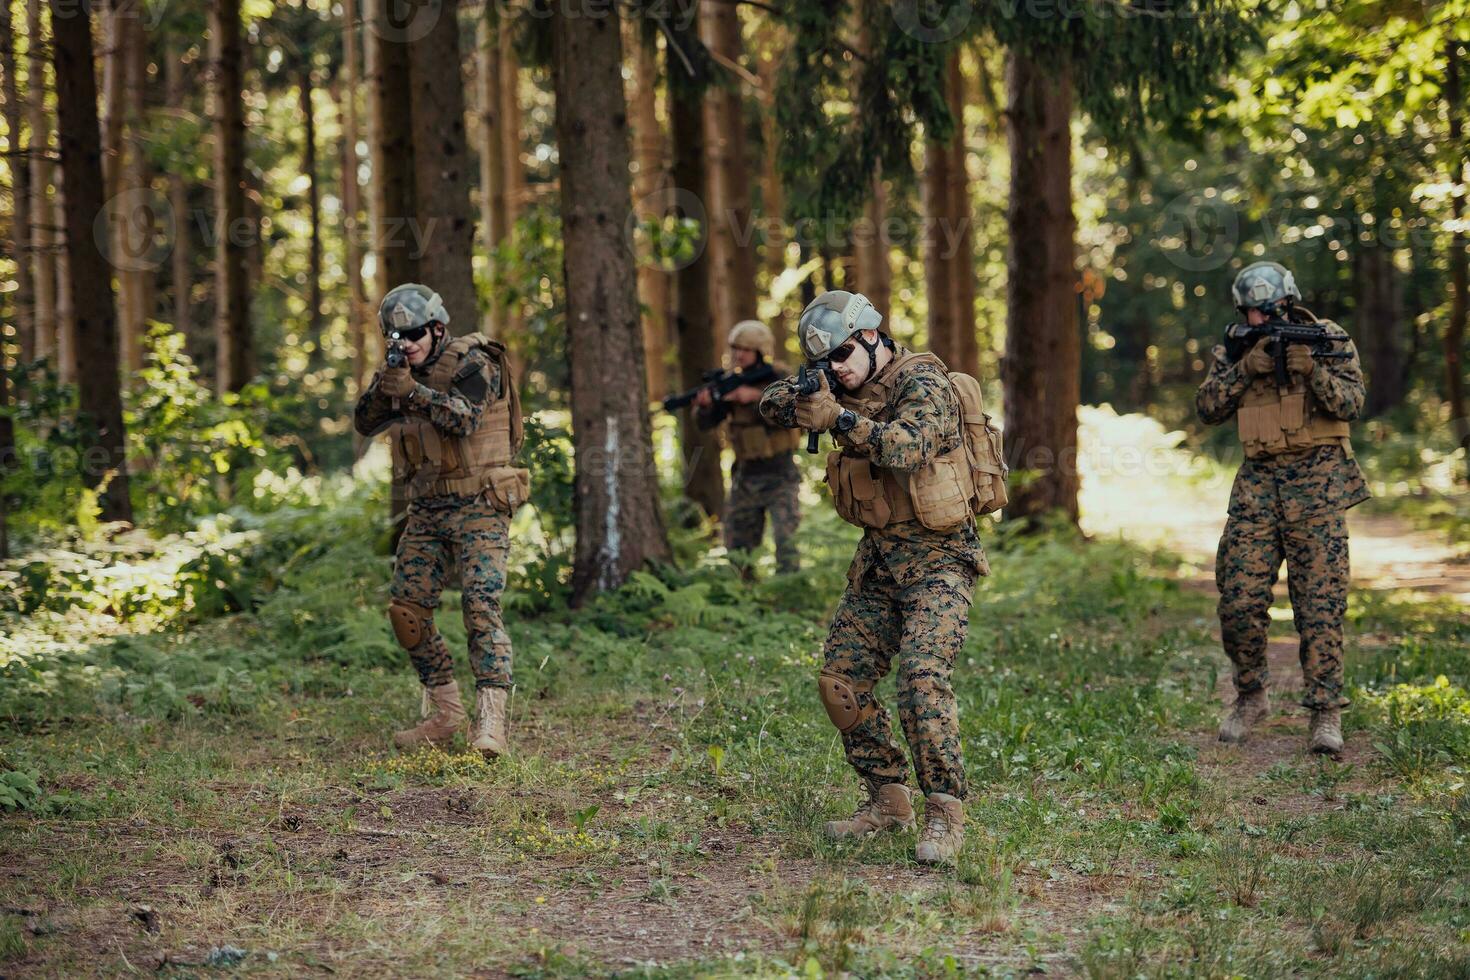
(136, 231)
(730, 178)
(181, 269)
(1042, 367)
(234, 232)
(939, 231)
(1454, 334)
(773, 198)
(1380, 319)
(313, 217)
(43, 237)
(442, 174)
(392, 149)
(492, 157)
(66, 319)
(962, 262)
(874, 273)
(352, 201)
(704, 481)
(23, 304)
(105, 464)
(619, 526)
(649, 178)
(120, 26)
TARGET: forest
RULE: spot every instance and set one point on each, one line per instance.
(203, 204)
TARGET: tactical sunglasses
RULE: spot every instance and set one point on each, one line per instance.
(843, 353)
(411, 333)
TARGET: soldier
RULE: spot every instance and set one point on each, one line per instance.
(1289, 501)
(765, 479)
(900, 474)
(456, 424)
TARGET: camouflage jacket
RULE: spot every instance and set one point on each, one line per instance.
(919, 422)
(455, 412)
(1294, 485)
(1337, 386)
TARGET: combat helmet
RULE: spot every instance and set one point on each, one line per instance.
(753, 335)
(830, 319)
(410, 305)
(1266, 286)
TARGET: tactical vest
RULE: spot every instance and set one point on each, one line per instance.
(752, 438)
(1272, 421)
(433, 463)
(938, 495)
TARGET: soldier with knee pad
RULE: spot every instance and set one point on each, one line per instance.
(452, 410)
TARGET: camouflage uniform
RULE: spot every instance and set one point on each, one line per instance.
(908, 589)
(1289, 506)
(442, 527)
(764, 480)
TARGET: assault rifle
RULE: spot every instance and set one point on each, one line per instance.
(397, 356)
(1241, 337)
(809, 383)
(721, 383)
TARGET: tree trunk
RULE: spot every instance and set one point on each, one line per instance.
(105, 463)
(120, 26)
(181, 257)
(492, 157)
(773, 199)
(510, 122)
(874, 274)
(442, 176)
(43, 237)
(1042, 368)
(648, 180)
(66, 319)
(352, 202)
(23, 303)
(619, 526)
(1454, 334)
(962, 262)
(313, 218)
(136, 232)
(730, 178)
(392, 149)
(1380, 318)
(233, 229)
(939, 232)
(704, 481)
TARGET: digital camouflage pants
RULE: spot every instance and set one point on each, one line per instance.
(1315, 550)
(471, 530)
(759, 488)
(923, 625)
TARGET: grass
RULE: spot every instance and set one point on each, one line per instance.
(209, 779)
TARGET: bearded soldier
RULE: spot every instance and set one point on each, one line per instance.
(900, 474)
(1290, 497)
(453, 413)
(765, 479)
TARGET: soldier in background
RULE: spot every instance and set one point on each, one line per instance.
(1289, 502)
(455, 417)
(764, 480)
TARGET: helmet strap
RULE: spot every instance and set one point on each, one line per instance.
(872, 350)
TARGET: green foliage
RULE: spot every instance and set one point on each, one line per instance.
(19, 790)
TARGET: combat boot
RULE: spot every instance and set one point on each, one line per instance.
(1326, 731)
(889, 807)
(1247, 711)
(438, 728)
(944, 830)
(488, 732)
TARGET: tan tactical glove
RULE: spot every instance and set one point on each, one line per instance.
(818, 412)
(1257, 361)
(397, 382)
(1299, 360)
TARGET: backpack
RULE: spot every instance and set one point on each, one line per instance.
(983, 446)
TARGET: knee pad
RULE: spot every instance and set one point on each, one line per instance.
(839, 695)
(412, 624)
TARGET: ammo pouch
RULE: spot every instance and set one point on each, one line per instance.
(858, 491)
(508, 487)
(937, 496)
(1273, 422)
